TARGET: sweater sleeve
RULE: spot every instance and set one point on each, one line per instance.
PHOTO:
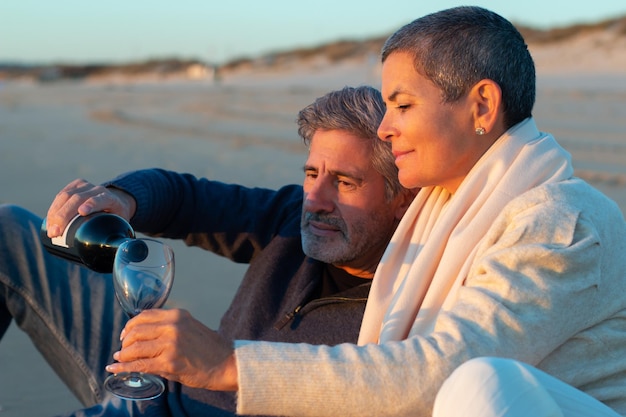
(540, 264)
(228, 219)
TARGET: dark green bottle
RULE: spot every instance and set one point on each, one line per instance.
(90, 240)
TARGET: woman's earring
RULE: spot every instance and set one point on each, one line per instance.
(480, 131)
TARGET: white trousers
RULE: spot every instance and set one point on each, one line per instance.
(497, 387)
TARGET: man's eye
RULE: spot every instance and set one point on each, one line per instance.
(345, 184)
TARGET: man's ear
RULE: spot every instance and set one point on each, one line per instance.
(486, 96)
(405, 199)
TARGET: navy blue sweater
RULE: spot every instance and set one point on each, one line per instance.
(278, 299)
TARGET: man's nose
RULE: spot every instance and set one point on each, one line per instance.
(319, 198)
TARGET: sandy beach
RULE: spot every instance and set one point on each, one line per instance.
(241, 130)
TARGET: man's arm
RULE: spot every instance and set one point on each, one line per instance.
(227, 219)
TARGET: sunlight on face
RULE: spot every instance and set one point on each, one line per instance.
(429, 138)
(346, 219)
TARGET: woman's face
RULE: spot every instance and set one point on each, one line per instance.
(433, 142)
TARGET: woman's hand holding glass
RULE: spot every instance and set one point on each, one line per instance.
(143, 274)
(174, 345)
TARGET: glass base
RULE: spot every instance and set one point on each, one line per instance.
(134, 386)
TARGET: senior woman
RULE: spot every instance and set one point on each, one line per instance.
(503, 253)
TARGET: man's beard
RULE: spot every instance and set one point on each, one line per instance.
(331, 250)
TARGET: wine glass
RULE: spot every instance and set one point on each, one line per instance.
(143, 273)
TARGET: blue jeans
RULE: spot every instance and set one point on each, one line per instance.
(69, 312)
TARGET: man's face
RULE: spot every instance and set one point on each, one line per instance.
(346, 220)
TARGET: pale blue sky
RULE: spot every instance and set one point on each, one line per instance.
(81, 31)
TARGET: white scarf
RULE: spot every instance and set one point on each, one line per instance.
(433, 247)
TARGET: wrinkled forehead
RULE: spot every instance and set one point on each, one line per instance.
(398, 75)
(337, 150)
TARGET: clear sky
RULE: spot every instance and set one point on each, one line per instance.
(85, 31)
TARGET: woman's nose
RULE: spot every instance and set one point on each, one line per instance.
(384, 130)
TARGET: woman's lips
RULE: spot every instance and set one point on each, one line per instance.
(399, 155)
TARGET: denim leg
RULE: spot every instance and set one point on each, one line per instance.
(69, 312)
(112, 406)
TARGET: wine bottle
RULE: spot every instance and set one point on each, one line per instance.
(90, 240)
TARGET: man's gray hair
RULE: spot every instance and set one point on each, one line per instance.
(358, 111)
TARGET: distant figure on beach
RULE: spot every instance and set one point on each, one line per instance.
(506, 277)
(312, 250)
